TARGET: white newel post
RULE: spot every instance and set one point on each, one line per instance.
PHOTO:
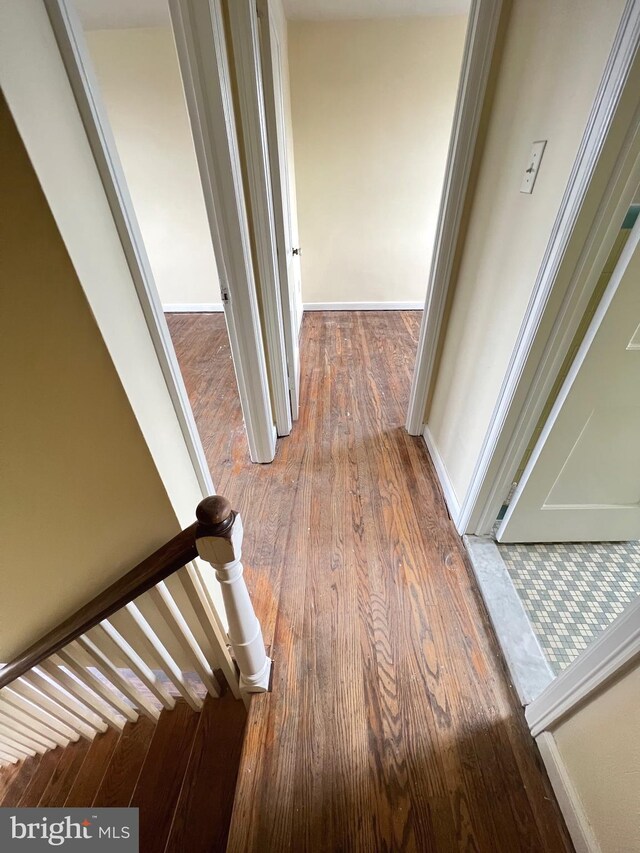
(219, 542)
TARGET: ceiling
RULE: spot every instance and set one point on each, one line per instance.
(121, 14)
(317, 10)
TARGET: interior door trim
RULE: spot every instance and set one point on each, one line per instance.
(600, 189)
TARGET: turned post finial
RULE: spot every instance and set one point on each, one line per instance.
(215, 515)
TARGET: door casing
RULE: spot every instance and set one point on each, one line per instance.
(220, 176)
(601, 186)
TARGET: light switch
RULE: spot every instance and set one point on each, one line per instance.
(533, 164)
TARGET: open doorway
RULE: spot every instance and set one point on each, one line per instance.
(373, 148)
(561, 572)
(360, 101)
(373, 92)
(127, 81)
(136, 67)
(570, 535)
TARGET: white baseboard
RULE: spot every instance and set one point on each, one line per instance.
(209, 307)
(192, 307)
(363, 306)
(450, 496)
(570, 803)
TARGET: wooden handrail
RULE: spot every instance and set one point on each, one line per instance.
(170, 557)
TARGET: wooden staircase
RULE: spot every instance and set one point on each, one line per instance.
(180, 772)
(136, 701)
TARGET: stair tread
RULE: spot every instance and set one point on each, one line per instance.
(41, 778)
(93, 769)
(181, 773)
(65, 774)
(122, 772)
(210, 779)
(158, 788)
(8, 776)
(25, 771)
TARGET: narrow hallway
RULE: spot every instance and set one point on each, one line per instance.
(391, 725)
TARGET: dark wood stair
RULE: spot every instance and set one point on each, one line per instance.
(181, 773)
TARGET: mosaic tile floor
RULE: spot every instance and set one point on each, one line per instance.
(572, 592)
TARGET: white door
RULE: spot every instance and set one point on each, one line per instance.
(275, 73)
(582, 483)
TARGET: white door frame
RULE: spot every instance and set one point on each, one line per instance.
(198, 28)
(238, 290)
(245, 38)
(477, 59)
(70, 39)
(271, 19)
(604, 178)
(583, 350)
(45, 111)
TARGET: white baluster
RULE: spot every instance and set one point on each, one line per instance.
(175, 621)
(80, 717)
(19, 752)
(54, 668)
(219, 542)
(5, 758)
(73, 660)
(24, 742)
(161, 656)
(105, 632)
(46, 683)
(14, 710)
(111, 672)
(23, 688)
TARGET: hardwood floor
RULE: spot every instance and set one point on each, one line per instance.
(202, 347)
(391, 725)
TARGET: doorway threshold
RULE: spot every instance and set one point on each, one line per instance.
(528, 667)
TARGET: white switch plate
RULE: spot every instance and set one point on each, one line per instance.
(533, 164)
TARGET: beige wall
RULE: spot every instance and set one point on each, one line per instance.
(372, 106)
(81, 498)
(140, 83)
(554, 56)
(600, 747)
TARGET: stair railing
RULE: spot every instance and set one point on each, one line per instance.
(120, 654)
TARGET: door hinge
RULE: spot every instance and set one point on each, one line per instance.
(224, 293)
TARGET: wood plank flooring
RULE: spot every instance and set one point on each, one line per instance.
(391, 725)
(181, 774)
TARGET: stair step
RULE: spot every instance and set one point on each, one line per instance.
(14, 784)
(210, 780)
(158, 788)
(121, 775)
(94, 766)
(65, 774)
(181, 773)
(41, 778)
